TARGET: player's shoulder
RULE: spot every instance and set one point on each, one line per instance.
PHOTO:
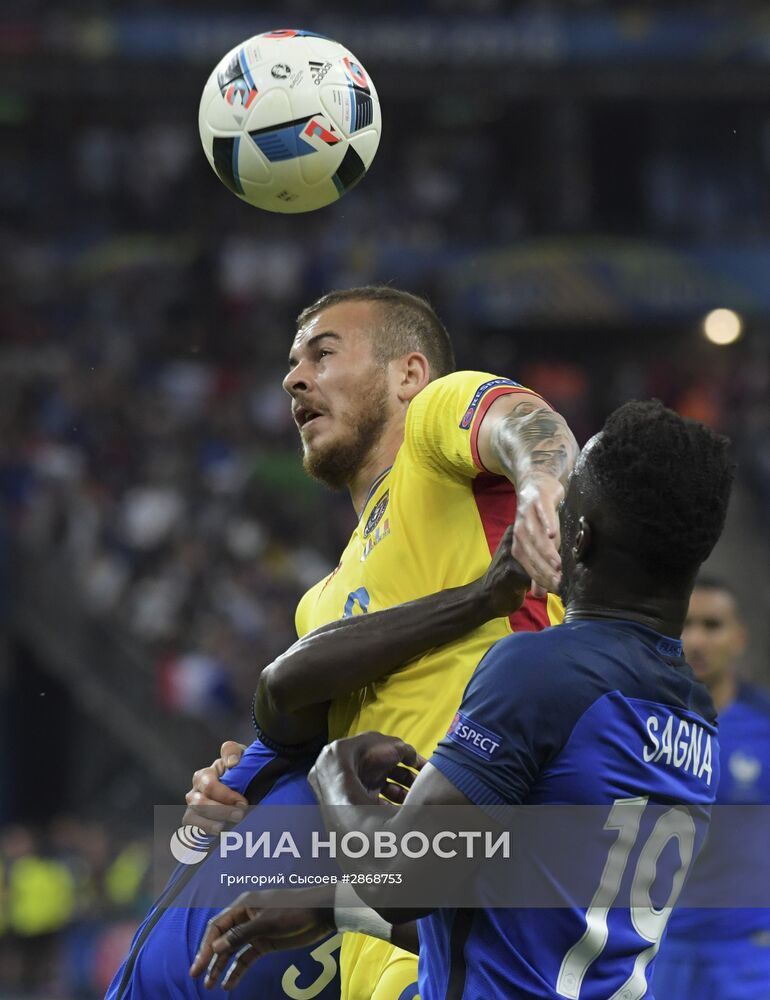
(466, 382)
(755, 698)
(579, 661)
(470, 376)
(534, 684)
(443, 419)
(552, 647)
(554, 665)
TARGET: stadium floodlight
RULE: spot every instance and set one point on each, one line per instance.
(722, 327)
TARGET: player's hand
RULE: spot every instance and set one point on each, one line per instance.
(248, 929)
(505, 583)
(385, 765)
(536, 536)
(210, 803)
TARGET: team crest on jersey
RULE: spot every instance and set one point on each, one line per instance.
(478, 739)
(744, 769)
(376, 515)
(482, 390)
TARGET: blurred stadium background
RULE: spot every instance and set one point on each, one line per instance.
(575, 186)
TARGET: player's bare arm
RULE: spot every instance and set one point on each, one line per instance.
(293, 692)
(522, 438)
(292, 696)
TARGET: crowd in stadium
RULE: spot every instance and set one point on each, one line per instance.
(168, 476)
(175, 488)
(145, 433)
(72, 895)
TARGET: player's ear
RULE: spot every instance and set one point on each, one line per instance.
(413, 374)
(583, 540)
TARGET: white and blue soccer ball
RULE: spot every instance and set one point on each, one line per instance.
(289, 121)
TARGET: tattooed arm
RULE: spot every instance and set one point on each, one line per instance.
(526, 441)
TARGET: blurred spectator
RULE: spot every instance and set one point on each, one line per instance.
(724, 954)
(71, 895)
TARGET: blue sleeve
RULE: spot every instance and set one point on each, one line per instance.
(517, 712)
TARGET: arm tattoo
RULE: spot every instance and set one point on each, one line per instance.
(533, 439)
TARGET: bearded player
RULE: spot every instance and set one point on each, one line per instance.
(437, 464)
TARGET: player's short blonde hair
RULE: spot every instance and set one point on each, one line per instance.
(408, 323)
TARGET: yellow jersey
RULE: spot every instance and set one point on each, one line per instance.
(430, 522)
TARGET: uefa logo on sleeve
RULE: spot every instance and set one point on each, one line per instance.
(190, 845)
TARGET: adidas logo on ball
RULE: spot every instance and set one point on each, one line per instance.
(318, 71)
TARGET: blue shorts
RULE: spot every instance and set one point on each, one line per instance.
(713, 970)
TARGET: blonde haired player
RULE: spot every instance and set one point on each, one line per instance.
(437, 463)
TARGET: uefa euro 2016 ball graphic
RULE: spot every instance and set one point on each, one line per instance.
(289, 121)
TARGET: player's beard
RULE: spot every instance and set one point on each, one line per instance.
(337, 462)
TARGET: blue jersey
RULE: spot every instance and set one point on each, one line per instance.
(744, 740)
(164, 946)
(590, 713)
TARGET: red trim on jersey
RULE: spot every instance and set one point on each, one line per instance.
(486, 402)
(496, 502)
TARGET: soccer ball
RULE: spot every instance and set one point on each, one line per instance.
(289, 121)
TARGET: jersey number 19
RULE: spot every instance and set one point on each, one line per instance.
(650, 923)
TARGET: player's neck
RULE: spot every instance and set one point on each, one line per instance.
(663, 615)
(616, 587)
(723, 691)
(379, 459)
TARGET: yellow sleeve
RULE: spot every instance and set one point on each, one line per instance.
(442, 422)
